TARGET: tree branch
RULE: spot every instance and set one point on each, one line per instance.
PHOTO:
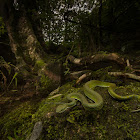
(129, 75)
(97, 58)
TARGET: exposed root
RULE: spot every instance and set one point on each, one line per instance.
(129, 75)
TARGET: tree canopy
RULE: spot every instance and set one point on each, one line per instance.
(83, 22)
(87, 23)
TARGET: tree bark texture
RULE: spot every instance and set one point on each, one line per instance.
(24, 42)
(22, 38)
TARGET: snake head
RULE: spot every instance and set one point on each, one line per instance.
(61, 108)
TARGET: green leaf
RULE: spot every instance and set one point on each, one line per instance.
(14, 77)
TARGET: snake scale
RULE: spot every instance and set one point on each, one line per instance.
(93, 95)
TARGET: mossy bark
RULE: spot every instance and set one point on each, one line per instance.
(25, 43)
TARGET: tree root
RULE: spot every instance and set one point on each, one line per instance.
(97, 58)
(129, 75)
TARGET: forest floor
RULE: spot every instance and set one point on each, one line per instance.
(115, 121)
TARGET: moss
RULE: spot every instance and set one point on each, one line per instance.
(74, 116)
(45, 84)
(27, 58)
(39, 64)
(49, 105)
(103, 75)
(17, 122)
(114, 120)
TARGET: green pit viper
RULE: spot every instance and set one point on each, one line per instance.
(93, 95)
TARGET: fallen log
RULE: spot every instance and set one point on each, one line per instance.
(97, 58)
(129, 75)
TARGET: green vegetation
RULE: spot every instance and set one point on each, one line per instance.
(2, 27)
(36, 38)
(17, 123)
(7, 75)
(109, 122)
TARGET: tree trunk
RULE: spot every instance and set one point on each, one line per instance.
(28, 51)
(23, 41)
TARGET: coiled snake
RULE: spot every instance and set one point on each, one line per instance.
(93, 95)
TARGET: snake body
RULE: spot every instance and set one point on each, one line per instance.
(93, 95)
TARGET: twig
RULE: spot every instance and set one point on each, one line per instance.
(55, 96)
(54, 91)
(133, 111)
(69, 52)
(82, 77)
(4, 43)
(129, 75)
